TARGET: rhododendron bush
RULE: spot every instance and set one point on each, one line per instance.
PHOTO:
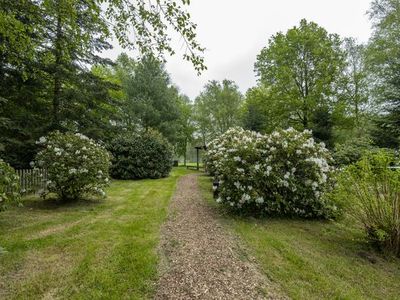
(141, 155)
(76, 165)
(284, 173)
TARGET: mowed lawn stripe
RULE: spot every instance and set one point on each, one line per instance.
(86, 250)
(314, 259)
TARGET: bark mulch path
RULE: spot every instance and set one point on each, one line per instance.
(201, 259)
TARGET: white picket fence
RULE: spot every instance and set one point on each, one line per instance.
(32, 181)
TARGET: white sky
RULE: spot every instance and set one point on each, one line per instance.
(235, 31)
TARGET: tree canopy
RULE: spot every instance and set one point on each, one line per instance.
(301, 68)
(50, 74)
(383, 61)
(217, 108)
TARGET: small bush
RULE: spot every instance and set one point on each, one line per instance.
(139, 156)
(371, 191)
(9, 185)
(76, 165)
(351, 152)
(285, 173)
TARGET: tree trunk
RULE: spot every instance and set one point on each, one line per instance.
(57, 73)
(305, 114)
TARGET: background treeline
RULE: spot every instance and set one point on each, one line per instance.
(347, 93)
(52, 77)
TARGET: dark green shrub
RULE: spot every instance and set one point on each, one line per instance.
(370, 192)
(139, 156)
(351, 152)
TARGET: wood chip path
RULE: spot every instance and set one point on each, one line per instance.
(200, 259)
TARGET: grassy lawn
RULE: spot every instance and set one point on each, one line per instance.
(314, 259)
(88, 250)
(191, 164)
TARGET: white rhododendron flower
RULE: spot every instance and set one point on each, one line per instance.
(71, 174)
(260, 200)
(285, 172)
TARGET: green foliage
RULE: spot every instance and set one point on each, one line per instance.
(284, 173)
(310, 79)
(151, 100)
(50, 86)
(17, 31)
(351, 151)
(370, 190)
(313, 259)
(217, 108)
(355, 88)
(146, 25)
(76, 165)
(140, 155)
(322, 127)
(83, 244)
(185, 126)
(46, 51)
(258, 111)
(301, 68)
(382, 56)
(9, 185)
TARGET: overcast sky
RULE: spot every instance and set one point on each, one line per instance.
(234, 32)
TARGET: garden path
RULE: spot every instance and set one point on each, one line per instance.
(200, 258)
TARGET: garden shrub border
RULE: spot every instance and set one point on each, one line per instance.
(140, 155)
(283, 173)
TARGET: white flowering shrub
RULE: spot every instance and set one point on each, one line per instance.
(9, 185)
(284, 173)
(213, 155)
(234, 143)
(76, 165)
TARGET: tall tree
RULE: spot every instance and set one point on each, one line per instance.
(185, 128)
(300, 69)
(217, 108)
(75, 31)
(47, 48)
(356, 92)
(384, 64)
(23, 108)
(259, 111)
(152, 100)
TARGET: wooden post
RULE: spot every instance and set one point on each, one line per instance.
(197, 154)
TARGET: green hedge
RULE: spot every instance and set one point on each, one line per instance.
(140, 156)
